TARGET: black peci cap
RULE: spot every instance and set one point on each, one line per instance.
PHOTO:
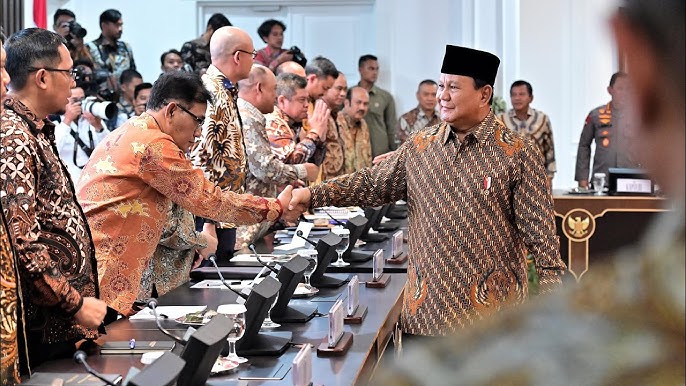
(469, 62)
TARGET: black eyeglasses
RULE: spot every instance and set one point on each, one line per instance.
(195, 117)
(72, 72)
(253, 53)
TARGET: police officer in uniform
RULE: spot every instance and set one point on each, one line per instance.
(609, 126)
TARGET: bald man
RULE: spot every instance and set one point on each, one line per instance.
(220, 152)
(354, 130)
(266, 173)
(291, 68)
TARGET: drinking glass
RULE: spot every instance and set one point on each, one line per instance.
(236, 313)
(311, 256)
(344, 234)
(268, 322)
(599, 183)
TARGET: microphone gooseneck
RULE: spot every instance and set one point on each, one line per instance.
(300, 234)
(152, 304)
(212, 259)
(80, 357)
(257, 256)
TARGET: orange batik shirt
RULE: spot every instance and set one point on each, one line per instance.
(126, 189)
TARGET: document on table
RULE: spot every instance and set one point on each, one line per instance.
(172, 312)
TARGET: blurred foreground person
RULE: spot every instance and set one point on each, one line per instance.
(624, 324)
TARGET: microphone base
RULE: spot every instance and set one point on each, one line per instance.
(397, 214)
(330, 282)
(358, 257)
(267, 344)
(295, 314)
(387, 227)
(375, 237)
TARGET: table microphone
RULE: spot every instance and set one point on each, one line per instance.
(80, 357)
(300, 234)
(252, 248)
(338, 222)
(152, 304)
(212, 258)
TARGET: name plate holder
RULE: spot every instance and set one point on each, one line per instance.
(397, 254)
(379, 278)
(355, 311)
(337, 341)
(302, 367)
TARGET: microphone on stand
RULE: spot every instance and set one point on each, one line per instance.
(212, 258)
(252, 248)
(300, 234)
(338, 222)
(152, 304)
(80, 357)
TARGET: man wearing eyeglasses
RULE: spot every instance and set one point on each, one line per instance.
(220, 152)
(55, 255)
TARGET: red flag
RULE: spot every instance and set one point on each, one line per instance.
(40, 13)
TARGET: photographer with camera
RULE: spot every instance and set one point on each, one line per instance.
(64, 23)
(271, 32)
(77, 131)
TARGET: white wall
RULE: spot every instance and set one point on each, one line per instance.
(562, 47)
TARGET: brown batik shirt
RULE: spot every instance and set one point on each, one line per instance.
(357, 146)
(537, 126)
(219, 152)
(56, 259)
(475, 207)
(333, 164)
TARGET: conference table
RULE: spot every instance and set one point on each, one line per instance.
(370, 338)
(593, 227)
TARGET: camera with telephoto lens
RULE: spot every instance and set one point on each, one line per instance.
(298, 56)
(100, 109)
(76, 30)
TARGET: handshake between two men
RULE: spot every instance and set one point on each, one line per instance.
(294, 202)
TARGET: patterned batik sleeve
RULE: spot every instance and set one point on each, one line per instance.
(535, 218)
(303, 150)
(18, 172)
(373, 186)
(403, 130)
(179, 232)
(263, 164)
(549, 146)
(164, 167)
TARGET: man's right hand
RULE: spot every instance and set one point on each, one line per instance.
(92, 313)
(72, 112)
(300, 199)
(312, 171)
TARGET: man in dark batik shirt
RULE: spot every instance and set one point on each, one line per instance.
(55, 254)
(477, 204)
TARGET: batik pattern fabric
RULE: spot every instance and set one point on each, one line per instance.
(334, 161)
(9, 311)
(126, 190)
(285, 142)
(475, 209)
(357, 148)
(196, 54)
(219, 151)
(414, 120)
(537, 126)
(55, 255)
(267, 57)
(171, 263)
(623, 324)
(617, 145)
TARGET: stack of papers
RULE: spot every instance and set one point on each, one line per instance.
(172, 312)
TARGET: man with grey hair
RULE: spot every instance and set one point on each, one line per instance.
(266, 173)
(220, 152)
(285, 123)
